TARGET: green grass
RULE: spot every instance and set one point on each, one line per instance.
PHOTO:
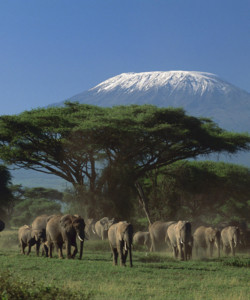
(154, 276)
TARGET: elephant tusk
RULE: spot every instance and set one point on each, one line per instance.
(80, 238)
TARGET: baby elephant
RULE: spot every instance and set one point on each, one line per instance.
(25, 238)
(142, 238)
(120, 236)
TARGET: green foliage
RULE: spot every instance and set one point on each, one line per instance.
(6, 197)
(17, 289)
(201, 191)
(237, 262)
(32, 202)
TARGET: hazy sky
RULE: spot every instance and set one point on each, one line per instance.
(51, 50)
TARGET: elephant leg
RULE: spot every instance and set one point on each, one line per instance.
(175, 254)
(153, 247)
(232, 248)
(29, 249)
(185, 251)
(68, 249)
(120, 252)
(210, 249)
(23, 246)
(125, 256)
(37, 248)
(59, 249)
(81, 249)
(115, 256)
(45, 250)
(227, 249)
(50, 246)
(75, 250)
(179, 247)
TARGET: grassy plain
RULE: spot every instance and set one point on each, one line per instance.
(154, 275)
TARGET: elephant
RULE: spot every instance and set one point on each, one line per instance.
(180, 238)
(39, 232)
(102, 227)
(120, 236)
(90, 228)
(25, 238)
(64, 229)
(189, 248)
(158, 231)
(142, 238)
(206, 238)
(230, 237)
(2, 225)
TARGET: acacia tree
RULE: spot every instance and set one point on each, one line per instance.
(91, 146)
(32, 202)
(200, 190)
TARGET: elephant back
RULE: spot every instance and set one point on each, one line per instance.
(40, 222)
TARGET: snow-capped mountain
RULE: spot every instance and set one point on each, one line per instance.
(199, 93)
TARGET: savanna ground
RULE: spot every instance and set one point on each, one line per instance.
(154, 275)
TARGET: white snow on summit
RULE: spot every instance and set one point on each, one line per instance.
(198, 82)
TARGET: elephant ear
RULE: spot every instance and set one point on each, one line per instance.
(65, 220)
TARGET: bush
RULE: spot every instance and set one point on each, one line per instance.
(12, 288)
(237, 262)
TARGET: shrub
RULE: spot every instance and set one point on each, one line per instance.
(12, 288)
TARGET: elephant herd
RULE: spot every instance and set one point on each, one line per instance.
(61, 232)
(53, 232)
(179, 238)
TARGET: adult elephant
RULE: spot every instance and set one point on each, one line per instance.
(230, 237)
(120, 236)
(25, 238)
(39, 232)
(2, 225)
(158, 232)
(180, 238)
(64, 229)
(205, 238)
(90, 228)
(142, 238)
(102, 227)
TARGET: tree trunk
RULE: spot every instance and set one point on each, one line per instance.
(143, 201)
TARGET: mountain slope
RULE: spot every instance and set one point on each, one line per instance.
(199, 93)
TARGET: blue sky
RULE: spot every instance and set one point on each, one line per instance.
(51, 50)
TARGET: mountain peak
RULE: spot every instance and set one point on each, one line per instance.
(144, 81)
(201, 94)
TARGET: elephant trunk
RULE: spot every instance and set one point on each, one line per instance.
(81, 249)
(128, 239)
(81, 235)
(81, 239)
(185, 250)
(130, 257)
